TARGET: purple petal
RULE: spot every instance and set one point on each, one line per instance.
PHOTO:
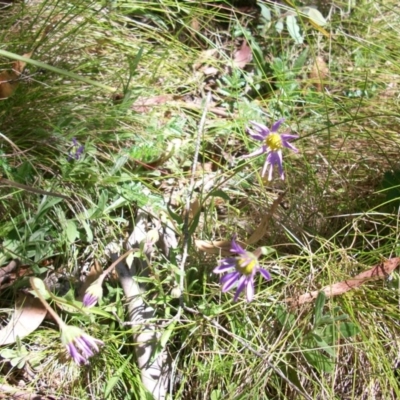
(271, 169)
(241, 285)
(277, 124)
(225, 265)
(265, 274)
(287, 136)
(89, 300)
(229, 280)
(290, 146)
(262, 129)
(275, 158)
(265, 167)
(250, 288)
(261, 150)
(279, 163)
(236, 248)
(84, 347)
(255, 135)
(76, 356)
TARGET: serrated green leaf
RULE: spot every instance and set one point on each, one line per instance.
(294, 29)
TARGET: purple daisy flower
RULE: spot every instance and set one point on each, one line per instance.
(246, 266)
(273, 144)
(80, 346)
(76, 150)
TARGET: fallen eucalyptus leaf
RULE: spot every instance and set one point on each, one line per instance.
(379, 271)
(28, 315)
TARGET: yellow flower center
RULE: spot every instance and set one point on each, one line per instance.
(244, 266)
(274, 141)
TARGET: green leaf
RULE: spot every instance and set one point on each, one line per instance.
(216, 394)
(265, 12)
(289, 368)
(341, 317)
(287, 320)
(300, 60)
(219, 193)
(326, 320)
(314, 15)
(88, 230)
(266, 250)
(319, 361)
(39, 286)
(294, 29)
(348, 329)
(319, 306)
(279, 26)
(323, 345)
(116, 377)
(167, 334)
(176, 217)
(71, 231)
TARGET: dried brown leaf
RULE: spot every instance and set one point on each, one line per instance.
(145, 104)
(28, 315)
(9, 79)
(319, 73)
(18, 66)
(242, 56)
(194, 209)
(8, 83)
(379, 271)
